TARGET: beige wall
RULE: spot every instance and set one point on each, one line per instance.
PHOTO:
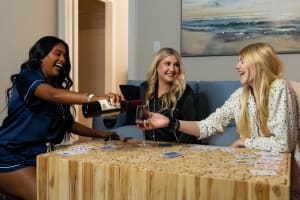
(91, 47)
(22, 23)
(158, 20)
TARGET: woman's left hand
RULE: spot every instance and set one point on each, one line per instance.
(238, 143)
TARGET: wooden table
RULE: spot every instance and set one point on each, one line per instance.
(131, 172)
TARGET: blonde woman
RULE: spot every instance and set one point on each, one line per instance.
(265, 109)
(166, 92)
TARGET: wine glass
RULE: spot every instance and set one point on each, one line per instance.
(141, 115)
(109, 122)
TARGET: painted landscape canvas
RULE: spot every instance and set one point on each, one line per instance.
(223, 27)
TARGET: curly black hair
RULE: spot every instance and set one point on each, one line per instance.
(37, 52)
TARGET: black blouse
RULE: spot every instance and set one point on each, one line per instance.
(185, 110)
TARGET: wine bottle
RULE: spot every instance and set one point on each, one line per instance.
(104, 108)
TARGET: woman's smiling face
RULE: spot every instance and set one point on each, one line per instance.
(168, 69)
(52, 64)
(246, 72)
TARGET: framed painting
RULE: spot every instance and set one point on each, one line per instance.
(223, 27)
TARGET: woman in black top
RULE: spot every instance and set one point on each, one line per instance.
(166, 92)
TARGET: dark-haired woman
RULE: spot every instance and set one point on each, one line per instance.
(39, 102)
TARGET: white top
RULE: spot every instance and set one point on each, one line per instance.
(283, 121)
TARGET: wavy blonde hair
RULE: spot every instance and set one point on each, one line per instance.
(169, 99)
(267, 68)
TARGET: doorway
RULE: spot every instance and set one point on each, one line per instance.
(97, 34)
(91, 46)
(91, 51)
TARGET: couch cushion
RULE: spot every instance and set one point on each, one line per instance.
(135, 82)
(217, 92)
(222, 139)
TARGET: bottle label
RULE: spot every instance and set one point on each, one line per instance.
(109, 109)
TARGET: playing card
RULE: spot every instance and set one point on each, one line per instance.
(245, 156)
(265, 166)
(170, 154)
(66, 153)
(244, 162)
(78, 149)
(226, 149)
(258, 172)
(108, 147)
(204, 148)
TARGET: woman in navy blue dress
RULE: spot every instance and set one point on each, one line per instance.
(39, 114)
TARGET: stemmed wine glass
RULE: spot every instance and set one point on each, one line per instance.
(141, 115)
(109, 122)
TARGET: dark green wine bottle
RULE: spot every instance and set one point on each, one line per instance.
(104, 108)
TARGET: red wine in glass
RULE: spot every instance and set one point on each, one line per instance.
(109, 122)
(141, 116)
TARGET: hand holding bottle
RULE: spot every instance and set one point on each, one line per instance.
(111, 97)
(103, 107)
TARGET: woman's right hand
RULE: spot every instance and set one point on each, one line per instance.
(155, 120)
(111, 97)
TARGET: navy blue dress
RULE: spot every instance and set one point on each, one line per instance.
(30, 123)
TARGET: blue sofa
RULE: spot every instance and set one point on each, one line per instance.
(209, 95)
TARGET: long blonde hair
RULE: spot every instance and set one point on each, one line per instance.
(267, 67)
(169, 99)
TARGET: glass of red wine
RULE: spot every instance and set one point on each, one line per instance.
(109, 122)
(141, 115)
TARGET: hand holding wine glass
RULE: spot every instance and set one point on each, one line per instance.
(141, 115)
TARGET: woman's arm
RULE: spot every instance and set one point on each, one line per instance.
(190, 127)
(82, 130)
(47, 92)
(158, 120)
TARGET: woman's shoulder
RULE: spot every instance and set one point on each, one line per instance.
(279, 81)
(279, 84)
(29, 76)
(144, 84)
(188, 88)
(31, 72)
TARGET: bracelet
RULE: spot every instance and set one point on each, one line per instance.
(90, 97)
(174, 124)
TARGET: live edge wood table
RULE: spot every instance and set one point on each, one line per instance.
(131, 172)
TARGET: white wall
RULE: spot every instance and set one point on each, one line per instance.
(22, 23)
(158, 20)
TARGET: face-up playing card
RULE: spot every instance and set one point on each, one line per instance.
(243, 162)
(78, 149)
(264, 172)
(245, 156)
